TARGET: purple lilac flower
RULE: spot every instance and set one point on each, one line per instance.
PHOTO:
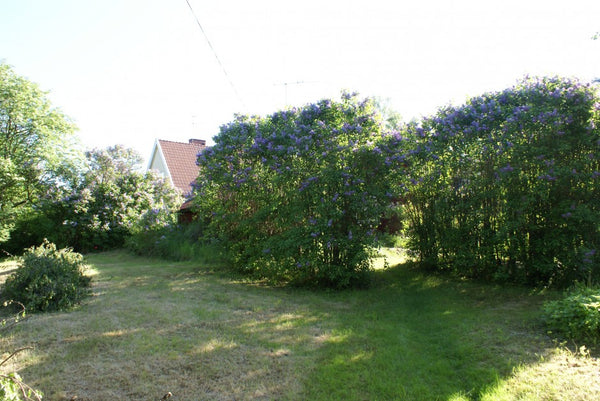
(588, 256)
(547, 177)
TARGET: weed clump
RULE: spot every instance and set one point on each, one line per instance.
(576, 316)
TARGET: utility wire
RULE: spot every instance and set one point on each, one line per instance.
(216, 56)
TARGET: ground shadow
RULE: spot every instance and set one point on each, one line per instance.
(421, 337)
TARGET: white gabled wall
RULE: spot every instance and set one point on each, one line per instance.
(158, 163)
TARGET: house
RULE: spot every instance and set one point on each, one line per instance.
(177, 162)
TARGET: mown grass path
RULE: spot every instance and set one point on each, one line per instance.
(154, 327)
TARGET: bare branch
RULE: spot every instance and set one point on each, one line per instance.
(16, 318)
(13, 354)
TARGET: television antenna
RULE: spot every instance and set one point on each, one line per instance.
(287, 84)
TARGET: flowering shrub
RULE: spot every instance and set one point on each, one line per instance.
(149, 231)
(507, 185)
(115, 200)
(112, 201)
(297, 195)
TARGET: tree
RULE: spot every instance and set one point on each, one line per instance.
(392, 120)
(37, 147)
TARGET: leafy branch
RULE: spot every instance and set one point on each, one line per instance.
(28, 393)
(11, 321)
(12, 382)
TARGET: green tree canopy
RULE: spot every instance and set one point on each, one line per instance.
(37, 146)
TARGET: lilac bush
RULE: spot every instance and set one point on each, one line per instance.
(506, 186)
(115, 201)
(111, 201)
(297, 195)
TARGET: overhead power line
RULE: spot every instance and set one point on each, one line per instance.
(216, 56)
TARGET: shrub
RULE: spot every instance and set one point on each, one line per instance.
(297, 196)
(505, 187)
(576, 316)
(111, 199)
(179, 242)
(149, 232)
(48, 279)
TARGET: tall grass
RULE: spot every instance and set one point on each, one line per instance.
(183, 242)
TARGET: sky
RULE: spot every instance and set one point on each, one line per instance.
(131, 71)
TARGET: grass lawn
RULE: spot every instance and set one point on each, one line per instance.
(154, 327)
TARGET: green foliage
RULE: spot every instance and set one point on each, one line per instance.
(12, 388)
(48, 279)
(9, 389)
(297, 196)
(179, 242)
(506, 187)
(111, 201)
(37, 149)
(576, 316)
(32, 228)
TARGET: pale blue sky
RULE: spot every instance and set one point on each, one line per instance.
(131, 71)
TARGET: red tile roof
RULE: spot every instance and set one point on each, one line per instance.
(181, 161)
